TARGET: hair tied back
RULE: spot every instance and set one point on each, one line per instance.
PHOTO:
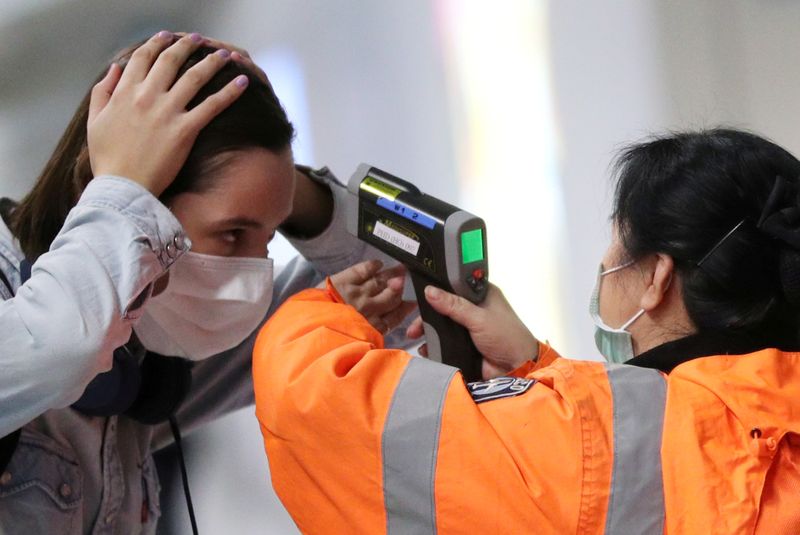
(780, 220)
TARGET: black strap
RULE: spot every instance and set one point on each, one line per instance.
(6, 207)
(6, 282)
(173, 425)
(9, 442)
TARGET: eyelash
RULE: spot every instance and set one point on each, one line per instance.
(233, 235)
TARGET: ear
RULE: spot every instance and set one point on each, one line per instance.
(659, 283)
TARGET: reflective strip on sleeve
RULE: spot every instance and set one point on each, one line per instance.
(636, 501)
(410, 445)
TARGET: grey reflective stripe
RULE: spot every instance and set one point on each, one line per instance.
(410, 445)
(636, 502)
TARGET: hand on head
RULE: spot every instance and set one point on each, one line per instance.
(377, 294)
(138, 125)
(238, 54)
(496, 330)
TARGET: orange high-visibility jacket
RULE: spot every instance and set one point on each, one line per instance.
(363, 439)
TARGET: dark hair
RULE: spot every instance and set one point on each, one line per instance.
(255, 119)
(681, 194)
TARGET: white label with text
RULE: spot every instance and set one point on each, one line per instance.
(407, 244)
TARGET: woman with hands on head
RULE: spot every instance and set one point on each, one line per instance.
(141, 248)
(692, 426)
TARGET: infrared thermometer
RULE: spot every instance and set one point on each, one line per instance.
(440, 245)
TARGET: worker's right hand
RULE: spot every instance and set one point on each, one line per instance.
(138, 125)
(377, 294)
(495, 328)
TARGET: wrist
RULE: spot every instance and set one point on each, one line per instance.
(526, 350)
(312, 210)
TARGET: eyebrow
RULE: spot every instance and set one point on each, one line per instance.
(240, 222)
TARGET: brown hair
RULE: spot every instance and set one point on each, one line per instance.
(255, 119)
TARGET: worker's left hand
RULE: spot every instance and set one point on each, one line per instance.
(377, 294)
(496, 330)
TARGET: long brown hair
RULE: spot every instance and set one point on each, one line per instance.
(255, 119)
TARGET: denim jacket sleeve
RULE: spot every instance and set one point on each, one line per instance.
(63, 324)
(334, 249)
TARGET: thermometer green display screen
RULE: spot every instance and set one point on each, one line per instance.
(472, 246)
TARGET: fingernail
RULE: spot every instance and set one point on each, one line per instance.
(196, 37)
(396, 283)
(223, 53)
(433, 293)
(164, 34)
(242, 81)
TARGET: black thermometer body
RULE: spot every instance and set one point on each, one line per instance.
(440, 244)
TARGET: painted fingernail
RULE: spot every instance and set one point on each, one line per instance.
(223, 53)
(164, 34)
(242, 81)
(196, 37)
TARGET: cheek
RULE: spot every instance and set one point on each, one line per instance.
(607, 303)
(613, 302)
(619, 301)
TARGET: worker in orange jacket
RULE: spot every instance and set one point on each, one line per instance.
(697, 432)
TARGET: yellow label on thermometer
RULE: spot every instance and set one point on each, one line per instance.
(376, 187)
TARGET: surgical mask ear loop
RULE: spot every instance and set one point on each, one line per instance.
(616, 345)
(628, 323)
(614, 269)
(641, 311)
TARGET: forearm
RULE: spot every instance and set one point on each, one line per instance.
(331, 248)
(345, 421)
(323, 387)
(63, 324)
(312, 210)
(314, 338)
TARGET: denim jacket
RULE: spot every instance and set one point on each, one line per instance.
(76, 474)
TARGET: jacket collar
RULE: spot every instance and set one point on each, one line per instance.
(669, 355)
(757, 380)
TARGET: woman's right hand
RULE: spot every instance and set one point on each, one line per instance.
(496, 330)
(138, 125)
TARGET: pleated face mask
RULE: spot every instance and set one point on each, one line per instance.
(211, 304)
(616, 345)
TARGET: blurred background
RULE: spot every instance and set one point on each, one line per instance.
(512, 109)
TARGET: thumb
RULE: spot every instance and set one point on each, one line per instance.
(102, 91)
(453, 306)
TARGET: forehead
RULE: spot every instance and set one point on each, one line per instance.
(255, 184)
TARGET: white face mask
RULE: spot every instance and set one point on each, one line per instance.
(616, 345)
(211, 304)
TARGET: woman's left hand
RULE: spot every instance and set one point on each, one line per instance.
(376, 294)
(238, 54)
